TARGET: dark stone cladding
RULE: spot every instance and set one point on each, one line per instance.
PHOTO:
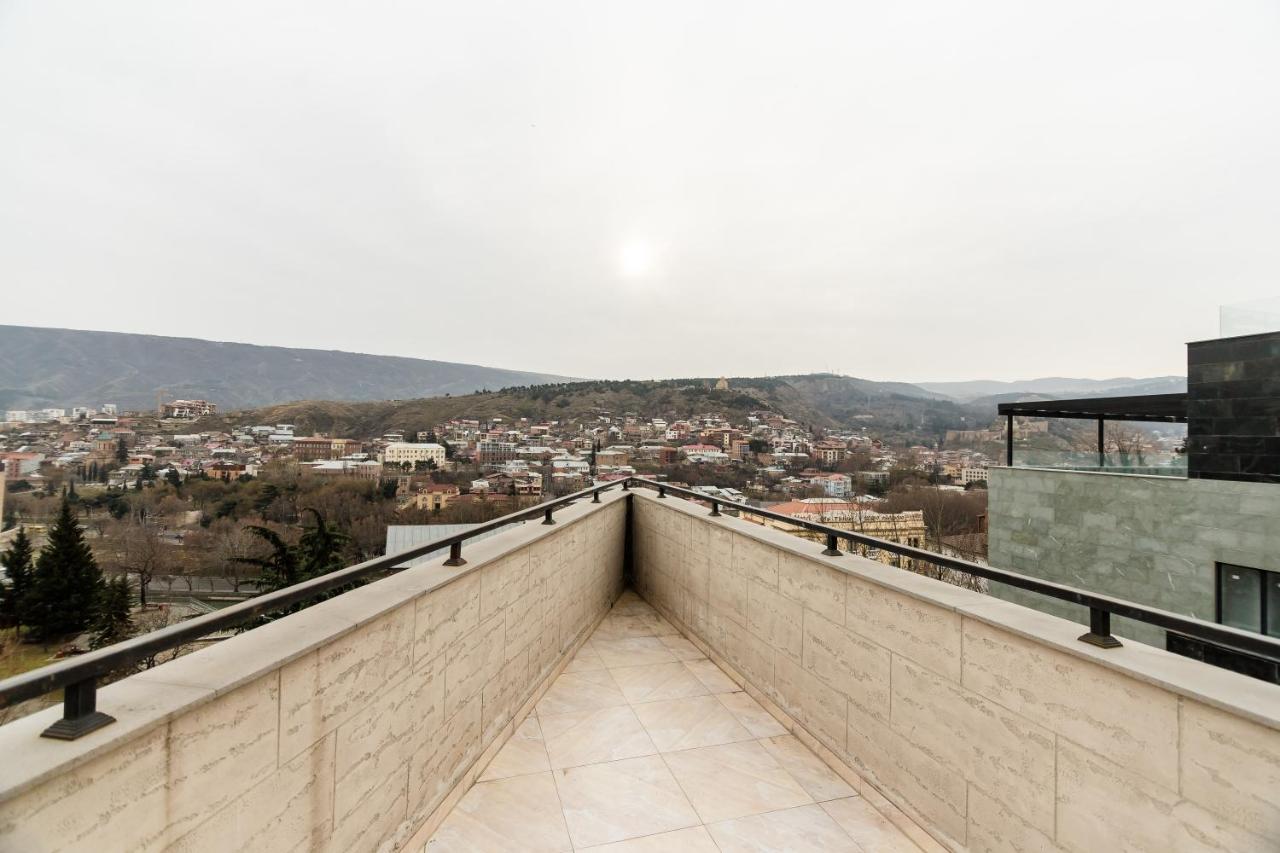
(1233, 408)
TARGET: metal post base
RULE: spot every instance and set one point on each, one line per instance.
(66, 729)
(1102, 641)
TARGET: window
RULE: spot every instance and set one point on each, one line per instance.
(1249, 599)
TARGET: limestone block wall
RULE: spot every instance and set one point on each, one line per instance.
(986, 722)
(342, 727)
(1153, 540)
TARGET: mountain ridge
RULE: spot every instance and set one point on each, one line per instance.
(44, 367)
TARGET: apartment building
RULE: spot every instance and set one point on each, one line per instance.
(400, 452)
(1200, 538)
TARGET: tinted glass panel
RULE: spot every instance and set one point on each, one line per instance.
(1240, 592)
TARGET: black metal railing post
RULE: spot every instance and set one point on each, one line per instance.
(715, 508)
(662, 491)
(546, 517)
(832, 549)
(626, 485)
(455, 555)
(80, 714)
(1099, 633)
(595, 496)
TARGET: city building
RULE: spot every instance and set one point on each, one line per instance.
(188, 409)
(1199, 537)
(401, 452)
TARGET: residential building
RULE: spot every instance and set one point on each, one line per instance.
(1198, 538)
(400, 452)
(188, 409)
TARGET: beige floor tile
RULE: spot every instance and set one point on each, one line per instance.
(629, 600)
(712, 676)
(633, 651)
(734, 780)
(622, 799)
(819, 780)
(618, 626)
(522, 754)
(807, 829)
(657, 681)
(581, 691)
(687, 723)
(871, 830)
(695, 839)
(589, 737)
(681, 648)
(753, 717)
(518, 815)
(585, 660)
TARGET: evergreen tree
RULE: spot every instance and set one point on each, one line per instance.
(17, 562)
(279, 568)
(320, 548)
(122, 452)
(113, 620)
(66, 583)
(173, 478)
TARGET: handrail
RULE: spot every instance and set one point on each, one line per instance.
(78, 676)
(1101, 607)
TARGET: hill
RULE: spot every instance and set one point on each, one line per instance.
(1051, 387)
(891, 409)
(63, 367)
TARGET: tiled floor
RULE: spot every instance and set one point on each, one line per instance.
(644, 745)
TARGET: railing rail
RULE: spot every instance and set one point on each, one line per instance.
(78, 676)
(1101, 607)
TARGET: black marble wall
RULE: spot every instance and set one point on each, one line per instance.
(1233, 408)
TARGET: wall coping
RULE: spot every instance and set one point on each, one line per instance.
(1173, 478)
(1229, 691)
(147, 700)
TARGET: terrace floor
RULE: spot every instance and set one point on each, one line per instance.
(644, 745)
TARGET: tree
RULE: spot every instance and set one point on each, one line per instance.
(122, 452)
(173, 478)
(142, 552)
(66, 583)
(17, 562)
(320, 547)
(113, 620)
(279, 568)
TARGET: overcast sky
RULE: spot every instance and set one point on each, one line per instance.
(890, 190)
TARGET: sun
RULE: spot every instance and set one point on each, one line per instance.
(635, 260)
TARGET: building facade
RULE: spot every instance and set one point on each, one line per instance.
(1206, 544)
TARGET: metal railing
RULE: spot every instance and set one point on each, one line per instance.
(78, 677)
(1101, 607)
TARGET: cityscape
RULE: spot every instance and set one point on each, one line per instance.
(600, 428)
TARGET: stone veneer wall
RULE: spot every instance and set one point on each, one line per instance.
(985, 721)
(342, 727)
(1153, 540)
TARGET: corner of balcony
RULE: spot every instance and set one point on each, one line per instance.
(748, 692)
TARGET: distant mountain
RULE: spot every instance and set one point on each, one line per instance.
(62, 367)
(895, 411)
(1051, 387)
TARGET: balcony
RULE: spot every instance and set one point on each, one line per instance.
(749, 691)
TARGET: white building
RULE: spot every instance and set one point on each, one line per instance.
(399, 452)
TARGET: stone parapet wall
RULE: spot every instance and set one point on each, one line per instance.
(342, 727)
(986, 722)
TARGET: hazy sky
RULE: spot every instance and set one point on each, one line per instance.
(891, 190)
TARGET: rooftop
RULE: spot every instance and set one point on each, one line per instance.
(624, 666)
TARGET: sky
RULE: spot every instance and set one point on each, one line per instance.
(911, 191)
